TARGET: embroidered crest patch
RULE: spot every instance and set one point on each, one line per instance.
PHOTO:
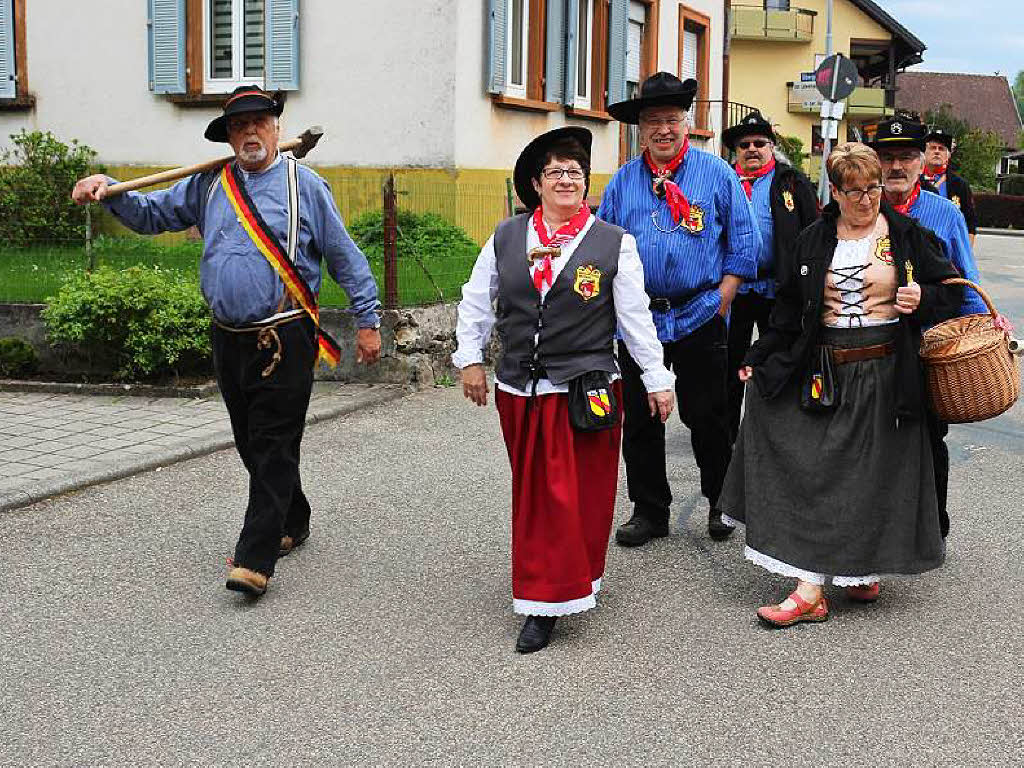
(695, 223)
(883, 250)
(588, 282)
(600, 405)
(955, 199)
(817, 385)
(787, 198)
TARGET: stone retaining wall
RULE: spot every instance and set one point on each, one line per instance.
(417, 343)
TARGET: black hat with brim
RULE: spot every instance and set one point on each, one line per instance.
(245, 98)
(533, 154)
(898, 133)
(751, 125)
(941, 136)
(661, 89)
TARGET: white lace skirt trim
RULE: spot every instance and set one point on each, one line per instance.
(785, 569)
(538, 608)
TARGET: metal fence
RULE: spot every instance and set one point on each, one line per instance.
(409, 270)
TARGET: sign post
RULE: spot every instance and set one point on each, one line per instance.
(835, 78)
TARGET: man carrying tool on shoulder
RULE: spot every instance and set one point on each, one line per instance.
(260, 274)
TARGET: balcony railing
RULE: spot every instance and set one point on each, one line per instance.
(863, 102)
(755, 22)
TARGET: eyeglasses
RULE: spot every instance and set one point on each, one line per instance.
(658, 122)
(858, 195)
(554, 174)
(759, 143)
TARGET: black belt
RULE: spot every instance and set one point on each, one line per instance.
(664, 304)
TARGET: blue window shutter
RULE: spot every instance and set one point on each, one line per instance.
(167, 46)
(555, 52)
(497, 38)
(8, 85)
(618, 36)
(572, 23)
(282, 45)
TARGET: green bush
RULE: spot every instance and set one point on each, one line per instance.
(36, 179)
(425, 235)
(793, 148)
(138, 323)
(17, 357)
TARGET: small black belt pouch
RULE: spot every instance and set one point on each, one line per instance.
(819, 392)
(592, 404)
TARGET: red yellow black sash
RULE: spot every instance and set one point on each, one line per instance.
(267, 244)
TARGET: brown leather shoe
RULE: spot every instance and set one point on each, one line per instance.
(245, 580)
(289, 543)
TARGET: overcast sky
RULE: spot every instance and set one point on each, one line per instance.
(980, 36)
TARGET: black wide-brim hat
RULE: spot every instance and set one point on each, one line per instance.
(661, 89)
(751, 125)
(533, 154)
(942, 136)
(899, 132)
(245, 98)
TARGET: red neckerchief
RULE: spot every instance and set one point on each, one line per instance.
(904, 208)
(565, 235)
(674, 197)
(747, 178)
(934, 172)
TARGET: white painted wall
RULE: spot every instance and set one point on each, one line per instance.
(394, 82)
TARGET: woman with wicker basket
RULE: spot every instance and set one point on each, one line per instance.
(832, 472)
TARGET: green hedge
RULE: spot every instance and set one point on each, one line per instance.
(1000, 211)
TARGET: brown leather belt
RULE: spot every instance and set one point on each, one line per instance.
(857, 354)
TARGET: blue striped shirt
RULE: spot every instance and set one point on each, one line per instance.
(761, 204)
(944, 219)
(678, 263)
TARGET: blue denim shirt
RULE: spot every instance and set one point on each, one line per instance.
(236, 279)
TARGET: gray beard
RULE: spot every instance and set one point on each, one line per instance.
(254, 157)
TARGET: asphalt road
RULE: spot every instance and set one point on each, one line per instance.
(388, 638)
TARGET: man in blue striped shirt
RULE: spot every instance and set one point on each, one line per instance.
(698, 242)
(900, 144)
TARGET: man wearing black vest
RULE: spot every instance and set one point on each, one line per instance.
(939, 146)
(783, 202)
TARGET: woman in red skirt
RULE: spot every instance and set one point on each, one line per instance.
(564, 282)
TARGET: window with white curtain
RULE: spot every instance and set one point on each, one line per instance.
(518, 47)
(233, 44)
(634, 53)
(584, 54)
(691, 46)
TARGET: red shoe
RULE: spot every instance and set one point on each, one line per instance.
(864, 593)
(776, 616)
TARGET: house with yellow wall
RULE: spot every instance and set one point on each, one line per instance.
(776, 45)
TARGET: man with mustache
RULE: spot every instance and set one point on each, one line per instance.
(784, 202)
(900, 145)
(698, 242)
(260, 274)
(939, 146)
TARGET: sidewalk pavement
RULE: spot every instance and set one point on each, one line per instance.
(55, 443)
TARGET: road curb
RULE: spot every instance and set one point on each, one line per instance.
(209, 389)
(1002, 232)
(32, 494)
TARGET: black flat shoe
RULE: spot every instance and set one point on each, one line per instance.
(638, 531)
(535, 634)
(718, 530)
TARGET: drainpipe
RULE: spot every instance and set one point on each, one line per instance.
(725, 74)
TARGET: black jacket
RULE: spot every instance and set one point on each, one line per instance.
(789, 216)
(959, 191)
(784, 351)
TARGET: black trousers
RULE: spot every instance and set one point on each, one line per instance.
(268, 415)
(747, 309)
(699, 362)
(937, 431)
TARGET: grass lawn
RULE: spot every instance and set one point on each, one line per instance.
(30, 275)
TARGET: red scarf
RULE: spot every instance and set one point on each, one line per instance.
(747, 178)
(904, 208)
(674, 197)
(553, 243)
(934, 172)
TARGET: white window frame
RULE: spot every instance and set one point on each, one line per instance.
(228, 84)
(512, 88)
(583, 101)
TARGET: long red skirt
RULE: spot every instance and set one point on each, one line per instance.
(563, 501)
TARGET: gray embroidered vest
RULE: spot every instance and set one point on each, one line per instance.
(576, 321)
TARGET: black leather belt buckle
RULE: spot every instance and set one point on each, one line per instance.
(660, 305)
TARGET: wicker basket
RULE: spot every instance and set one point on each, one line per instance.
(971, 374)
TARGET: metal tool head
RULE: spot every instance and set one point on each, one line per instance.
(307, 140)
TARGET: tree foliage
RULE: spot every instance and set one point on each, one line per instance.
(793, 148)
(976, 154)
(37, 174)
(1018, 95)
(425, 235)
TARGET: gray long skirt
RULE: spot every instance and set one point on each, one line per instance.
(840, 493)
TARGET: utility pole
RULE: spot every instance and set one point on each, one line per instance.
(823, 195)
